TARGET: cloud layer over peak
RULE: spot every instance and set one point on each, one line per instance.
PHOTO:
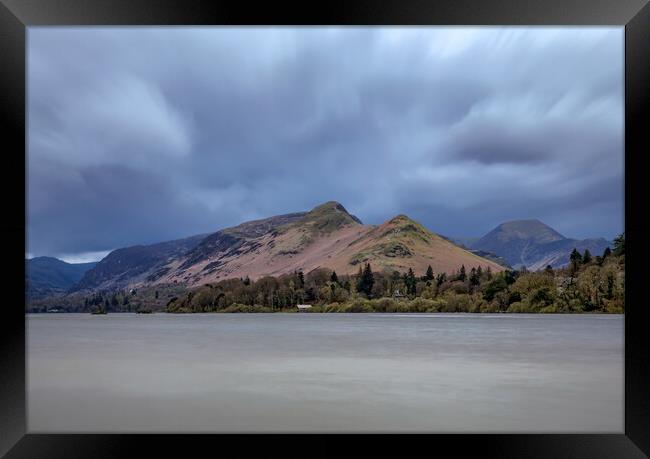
(138, 135)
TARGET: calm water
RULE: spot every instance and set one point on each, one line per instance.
(325, 373)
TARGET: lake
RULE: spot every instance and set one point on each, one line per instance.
(325, 373)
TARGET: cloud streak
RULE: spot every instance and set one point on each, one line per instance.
(137, 135)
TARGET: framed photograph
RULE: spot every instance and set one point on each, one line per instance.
(369, 219)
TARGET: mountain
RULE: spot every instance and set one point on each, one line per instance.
(325, 237)
(45, 276)
(557, 253)
(534, 244)
(135, 264)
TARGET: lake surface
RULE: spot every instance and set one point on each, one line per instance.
(325, 373)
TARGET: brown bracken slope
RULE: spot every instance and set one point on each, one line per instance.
(326, 237)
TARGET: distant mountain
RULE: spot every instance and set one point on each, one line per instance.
(325, 237)
(46, 276)
(534, 244)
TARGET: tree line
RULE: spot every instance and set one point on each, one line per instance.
(588, 284)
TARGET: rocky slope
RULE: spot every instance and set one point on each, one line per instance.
(325, 237)
(534, 244)
(328, 237)
(137, 264)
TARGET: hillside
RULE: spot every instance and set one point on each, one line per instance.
(465, 243)
(402, 243)
(50, 276)
(135, 264)
(534, 244)
(326, 237)
(557, 253)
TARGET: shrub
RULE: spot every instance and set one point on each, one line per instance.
(457, 303)
(490, 307)
(384, 305)
(359, 305)
(332, 307)
(236, 307)
(551, 309)
(437, 305)
(518, 307)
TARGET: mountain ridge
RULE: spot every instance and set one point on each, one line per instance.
(533, 244)
(51, 276)
(326, 236)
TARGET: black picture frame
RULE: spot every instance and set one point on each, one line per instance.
(16, 15)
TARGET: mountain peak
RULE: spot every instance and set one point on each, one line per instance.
(401, 218)
(330, 206)
(403, 225)
(533, 244)
(523, 222)
(526, 229)
(330, 215)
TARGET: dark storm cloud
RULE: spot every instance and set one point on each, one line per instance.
(145, 134)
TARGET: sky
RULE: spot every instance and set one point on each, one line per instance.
(144, 134)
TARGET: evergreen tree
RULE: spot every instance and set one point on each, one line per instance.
(610, 286)
(301, 279)
(359, 280)
(366, 281)
(462, 275)
(586, 258)
(247, 281)
(334, 278)
(474, 278)
(576, 259)
(548, 269)
(429, 274)
(410, 281)
(607, 252)
(510, 276)
(619, 245)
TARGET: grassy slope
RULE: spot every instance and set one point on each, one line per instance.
(329, 238)
(402, 243)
